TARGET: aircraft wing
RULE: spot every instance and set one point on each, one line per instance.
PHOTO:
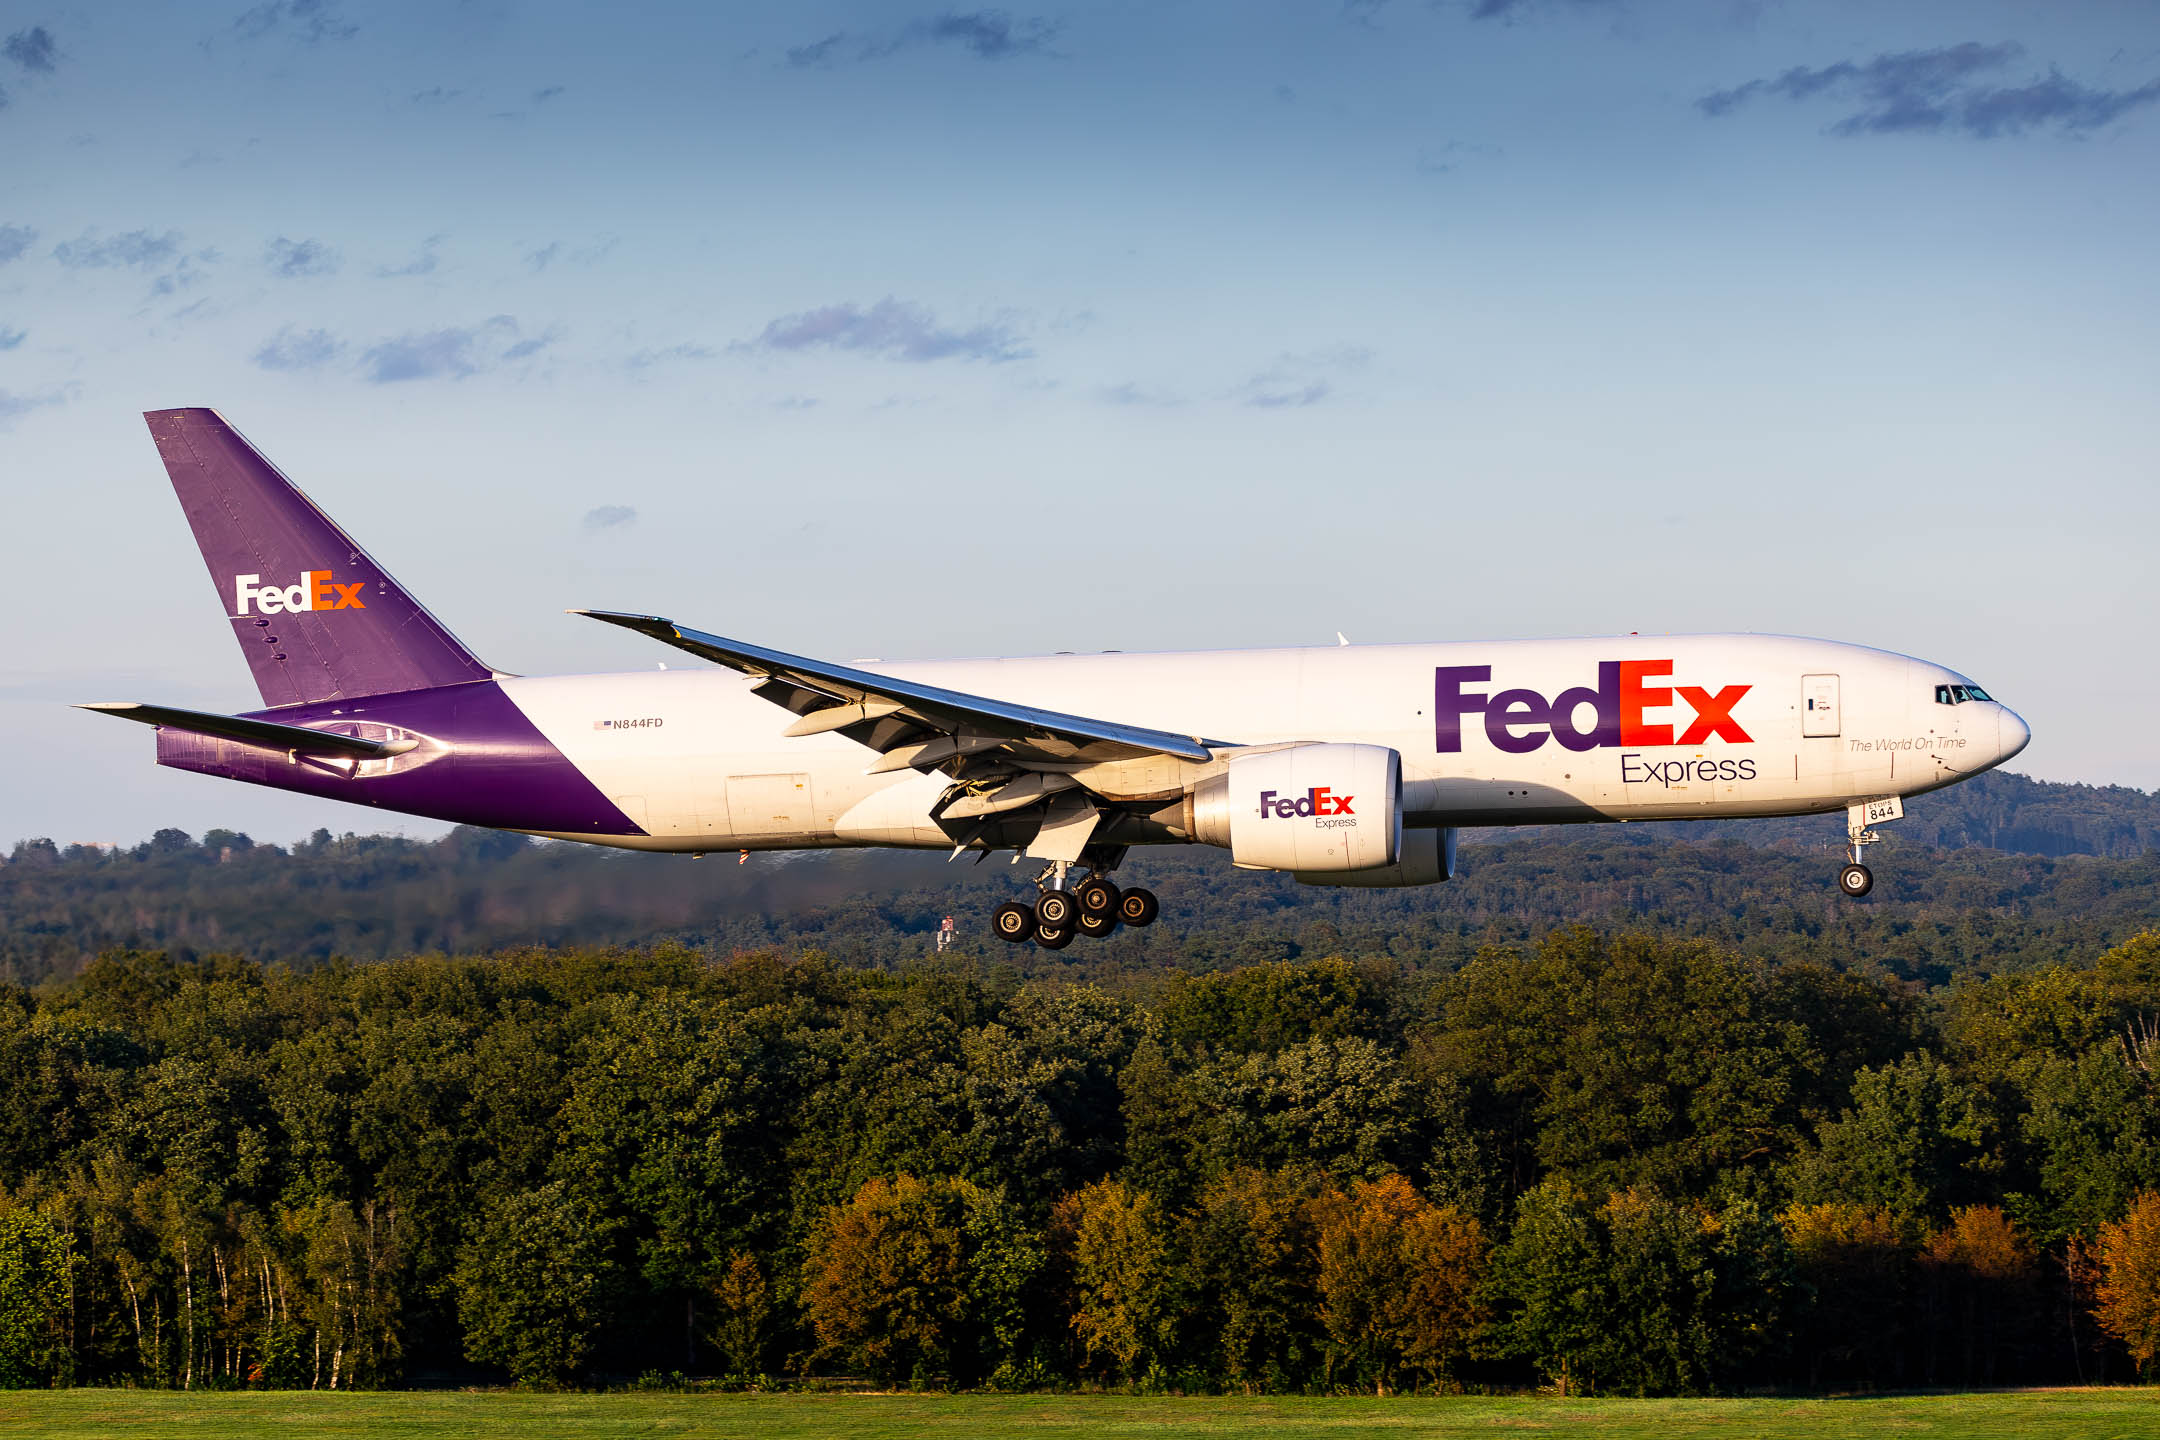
(900, 718)
(1006, 759)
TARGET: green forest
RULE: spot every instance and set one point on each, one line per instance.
(1616, 1112)
(1611, 1163)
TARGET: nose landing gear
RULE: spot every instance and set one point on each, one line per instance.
(1856, 879)
(1093, 907)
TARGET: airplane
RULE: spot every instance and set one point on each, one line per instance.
(1342, 765)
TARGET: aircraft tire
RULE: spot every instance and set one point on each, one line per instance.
(1095, 927)
(1138, 907)
(1097, 896)
(1856, 880)
(1053, 939)
(1013, 922)
(1054, 910)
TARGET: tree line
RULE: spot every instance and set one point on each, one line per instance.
(1936, 912)
(1607, 1161)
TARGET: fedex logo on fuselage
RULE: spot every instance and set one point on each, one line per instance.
(317, 590)
(1621, 706)
(1320, 800)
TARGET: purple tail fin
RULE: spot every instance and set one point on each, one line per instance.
(316, 617)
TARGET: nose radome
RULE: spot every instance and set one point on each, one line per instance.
(2011, 734)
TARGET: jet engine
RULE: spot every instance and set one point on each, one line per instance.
(1428, 857)
(1316, 809)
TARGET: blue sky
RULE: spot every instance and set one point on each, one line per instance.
(890, 330)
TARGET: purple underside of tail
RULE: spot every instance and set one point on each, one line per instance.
(496, 768)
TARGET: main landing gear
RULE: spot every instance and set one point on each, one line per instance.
(1092, 907)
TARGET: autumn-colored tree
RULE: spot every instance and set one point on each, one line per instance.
(1117, 1244)
(2128, 1305)
(743, 1313)
(1983, 1291)
(1857, 1264)
(885, 1280)
(1251, 1279)
(915, 1280)
(1399, 1279)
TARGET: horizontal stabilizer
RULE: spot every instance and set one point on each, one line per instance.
(254, 732)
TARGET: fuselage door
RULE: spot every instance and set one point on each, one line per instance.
(1818, 705)
(769, 804)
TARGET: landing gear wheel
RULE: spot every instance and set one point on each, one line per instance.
(1856, 880)
(1013, 922)
(1097, 896)
(1054, 911)
(1095, 927)
(1138, 907)
(1053, 939)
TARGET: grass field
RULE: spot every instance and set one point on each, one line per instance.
(80, 1414)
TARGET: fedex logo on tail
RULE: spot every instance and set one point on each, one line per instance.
(1320, 800)
(317, 590)
(1621, 710)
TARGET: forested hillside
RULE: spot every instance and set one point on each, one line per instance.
(1765, 888)
(1621, 1109)
(1618, 1164)
(1998, 811)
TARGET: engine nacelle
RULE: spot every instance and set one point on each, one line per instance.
(1317, 808)
(1428, 857)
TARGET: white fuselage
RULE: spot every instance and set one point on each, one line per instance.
(698, 760)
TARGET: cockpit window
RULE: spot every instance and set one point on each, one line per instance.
(1959, 694)
(1976, 692)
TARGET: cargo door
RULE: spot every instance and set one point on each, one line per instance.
(1819, 706)
(769, 804)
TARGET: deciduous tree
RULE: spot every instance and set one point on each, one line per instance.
(1117, 1240)
(2129, 1287)
(37, 1264)
(1856, 1264)
(917, 1280)
(1983, 1293)
(533, 1285)
(1399, 1279)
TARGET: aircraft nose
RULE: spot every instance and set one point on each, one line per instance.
(2011, 733)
